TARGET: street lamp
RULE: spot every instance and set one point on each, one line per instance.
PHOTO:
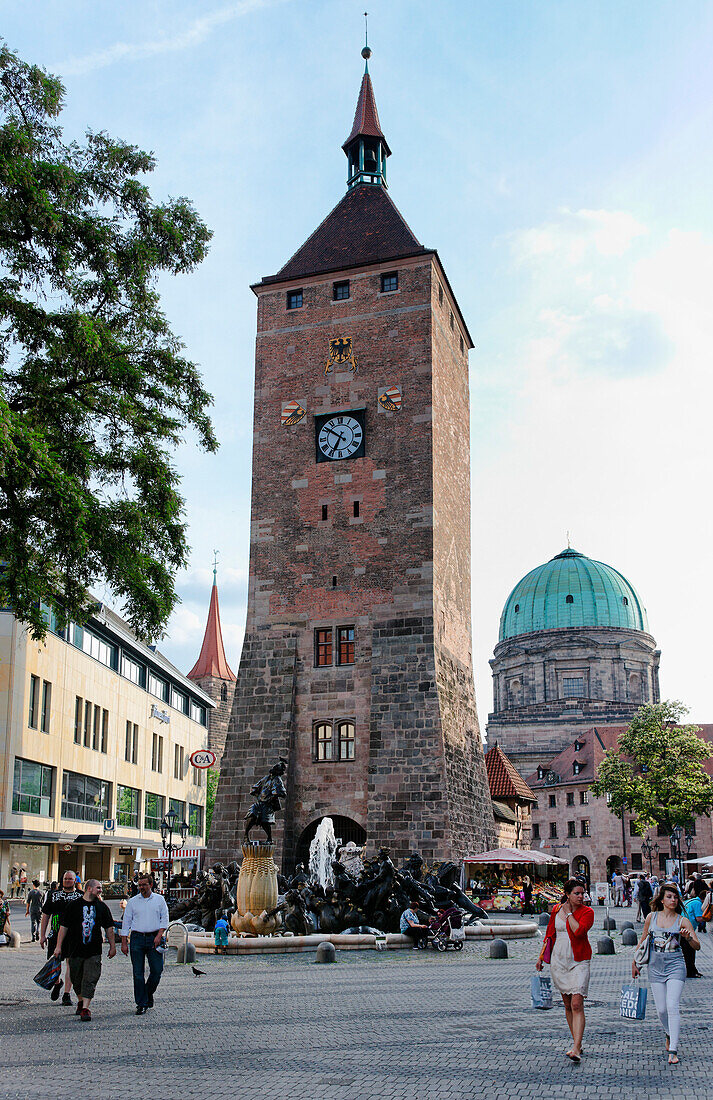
(649, 851)
(169, 826)
(675, 838)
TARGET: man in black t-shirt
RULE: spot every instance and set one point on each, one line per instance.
(52, 910)
(80, 939)
(34, 908)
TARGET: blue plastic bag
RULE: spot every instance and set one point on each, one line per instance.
(48, 975)
(541, 991)
(633, 1002)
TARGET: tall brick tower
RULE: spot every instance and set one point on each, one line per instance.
(356, 666)
(214, 675)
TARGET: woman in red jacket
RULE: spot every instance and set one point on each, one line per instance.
(569, 959)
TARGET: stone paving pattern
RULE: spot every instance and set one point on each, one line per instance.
(387, 1025)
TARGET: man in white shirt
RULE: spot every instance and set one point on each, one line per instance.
(146, 918)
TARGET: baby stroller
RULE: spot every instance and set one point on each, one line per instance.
(446, 930)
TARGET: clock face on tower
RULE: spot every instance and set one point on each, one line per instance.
(340, 435)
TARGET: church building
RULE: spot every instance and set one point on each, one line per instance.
(357, 661)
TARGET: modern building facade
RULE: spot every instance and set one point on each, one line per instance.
(574, 651)
(96, 731)
(357, 666)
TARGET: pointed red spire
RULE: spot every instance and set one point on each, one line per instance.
(366, 116)
(212, 660)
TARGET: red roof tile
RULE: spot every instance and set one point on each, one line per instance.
(366, 116)
(504, 779)
(211, 661)
(363, 228)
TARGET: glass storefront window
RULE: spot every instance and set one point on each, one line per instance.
(36, 859)
(154, 808)
(195, 820)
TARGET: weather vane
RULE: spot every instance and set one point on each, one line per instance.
(366, 52)
(215, 563)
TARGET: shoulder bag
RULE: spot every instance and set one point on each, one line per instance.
(642, 954)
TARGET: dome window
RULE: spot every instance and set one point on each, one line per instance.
(569, 599)
(625, 601)
(517, 608)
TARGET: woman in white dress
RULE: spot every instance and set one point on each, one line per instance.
(569, 956)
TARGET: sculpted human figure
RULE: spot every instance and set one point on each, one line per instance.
(269, 790)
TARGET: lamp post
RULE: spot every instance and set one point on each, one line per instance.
(675, 838)
(690, 836)
(169, 826)
(649, 851)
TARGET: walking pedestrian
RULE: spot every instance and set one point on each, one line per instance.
(669, 928)
(23, 881)
(617, 881)
(4, 915)
(645, 895)
(145, 920)
(52, 910)
(33, 908)
(569, 960)
(80, 940)
(693, 909)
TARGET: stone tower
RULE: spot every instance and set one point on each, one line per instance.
(214, 675)
(356, 666)
(574, 652)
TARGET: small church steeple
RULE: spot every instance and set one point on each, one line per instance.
(211, 662)
(366, 147)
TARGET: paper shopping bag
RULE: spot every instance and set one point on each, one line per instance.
(541, 991)
(633, 1002)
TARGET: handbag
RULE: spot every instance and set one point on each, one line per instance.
(707, 913)
(547, 949)
(48, 975)
(632, 1005)
(540, 991)
(642, 954)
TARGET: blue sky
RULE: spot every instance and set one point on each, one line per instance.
(559, 157)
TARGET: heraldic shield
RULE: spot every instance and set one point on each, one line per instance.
(340, 351)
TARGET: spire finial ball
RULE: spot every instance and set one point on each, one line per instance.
(366, 53)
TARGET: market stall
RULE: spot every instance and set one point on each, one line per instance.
(495, 879)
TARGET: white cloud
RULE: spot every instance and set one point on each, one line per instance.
(195, 33)
(578, 233)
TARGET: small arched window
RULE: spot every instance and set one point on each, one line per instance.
(625, 601)
(517, 608)
(224, 693)
(570, 599)
(540, 772)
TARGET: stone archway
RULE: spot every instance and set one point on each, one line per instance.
(613, 864)
(345, 829)
(580, 866)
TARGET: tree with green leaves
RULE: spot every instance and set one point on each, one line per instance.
(211, 791)
(656, 773)
(95, 393)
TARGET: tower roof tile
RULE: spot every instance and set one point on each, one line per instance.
(212, 660)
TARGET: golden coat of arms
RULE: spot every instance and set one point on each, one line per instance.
(341, 351)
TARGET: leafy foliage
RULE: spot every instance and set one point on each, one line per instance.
(211, 791)
(657, 772)
(94, 390)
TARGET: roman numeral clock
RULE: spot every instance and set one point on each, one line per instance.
(340, 435)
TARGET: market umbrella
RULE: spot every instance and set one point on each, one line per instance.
(513, 855)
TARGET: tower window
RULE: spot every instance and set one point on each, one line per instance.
(345, 645)
(334, 582)
(356, 509)
(569, 599)
(517, 608)
(625, 601)
(323, 647)
(452, 320)
(389, 282)
(325, 511)
(345, 737)
(323, 741)
(462, 345)
(294, 299)
(340, 291)
(440, 295)
(224, 693)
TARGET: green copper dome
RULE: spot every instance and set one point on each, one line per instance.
(572, 591)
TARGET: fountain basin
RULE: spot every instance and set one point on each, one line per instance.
(287, 945)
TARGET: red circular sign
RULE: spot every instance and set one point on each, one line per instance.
(203, 758)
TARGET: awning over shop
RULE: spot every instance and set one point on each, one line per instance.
(111, 840)
(183, 853)
(702, 861)
(513, 855)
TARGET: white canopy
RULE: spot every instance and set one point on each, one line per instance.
(513, 855)
(703, 861)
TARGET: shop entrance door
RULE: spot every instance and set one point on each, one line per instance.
(93, 864)
(68, 861)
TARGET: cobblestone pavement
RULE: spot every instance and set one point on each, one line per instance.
(387, 1025)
